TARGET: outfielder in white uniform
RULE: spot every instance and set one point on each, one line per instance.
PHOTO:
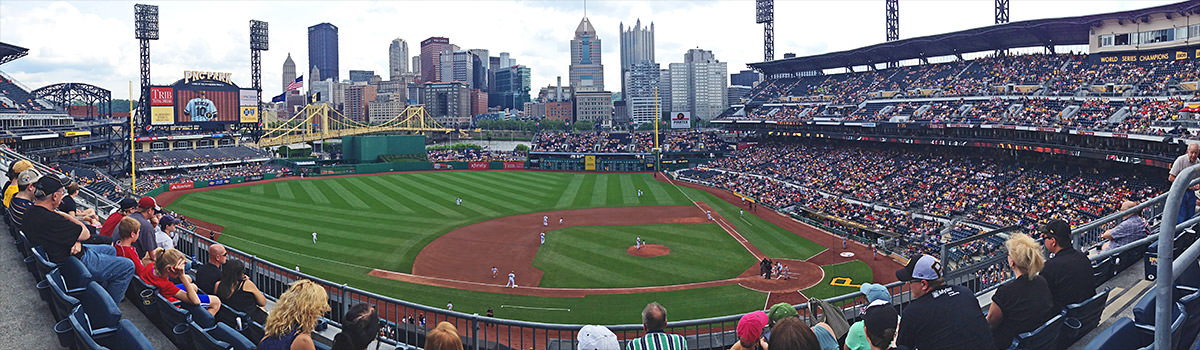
(458, 200)
(512, 280)
(639, 193)
(545, 220)
(543, 236)
(314, 238)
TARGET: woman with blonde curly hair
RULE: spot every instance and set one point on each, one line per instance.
(290, 324)
(1025, 303)
(444, 337)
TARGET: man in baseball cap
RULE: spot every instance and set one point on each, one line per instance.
(593, 337)
(750, 331)
(1068, 271)
(125, 207)
(14, 170)
(145, 210)
(941, 316)
(23, 198)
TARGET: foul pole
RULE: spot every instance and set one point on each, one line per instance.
(132, 163)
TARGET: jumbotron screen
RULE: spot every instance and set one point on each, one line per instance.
(198, 106)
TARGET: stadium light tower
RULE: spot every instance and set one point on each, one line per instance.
(1001, 11)
(892, 19)
(766, 15)
(258, 44)
(145, 28)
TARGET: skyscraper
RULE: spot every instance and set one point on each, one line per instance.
(431, 55)
(512, 88)
(289, 72)
(323, 50)
(397, 58)
(480, 68)
(586, 72)
(361, 76)
(637, 45)
(640, 98)
(698, 85)
(416, 65)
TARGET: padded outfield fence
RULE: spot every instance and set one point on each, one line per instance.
(482, 332)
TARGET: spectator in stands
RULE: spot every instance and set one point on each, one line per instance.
(750, 331)
(240, 293)
(359, 327)
(593, 337)
(23, 199)
(171, 264)
(858, 338)
(60, 235)
(143, 214)
(826, 338)
(941, 316)
(87, 215)
(654, 320)
(125, 207)
(791, 333)
(1187, 207)
(127, 233)
(291, 322)
(443, 337)
(1025, 303)
(208, 274)
(1068, 272)
(164, 237)
(1131, 229)
(14, 170)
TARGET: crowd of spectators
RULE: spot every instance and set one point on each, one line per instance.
(681, 141)
(582, 142)
(149, 181)
(475, 155)
(671, 141)
(184, 157)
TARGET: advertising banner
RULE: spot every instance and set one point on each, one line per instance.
(218, 182)
(248, 114)
(681, 120)
(162, 96)
(442, 166)
(247, 98)
(254, 178)
(589, 162)
(478, 165)
(514, 165)
(181, 186)
(162, 115)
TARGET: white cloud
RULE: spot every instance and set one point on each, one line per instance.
(92, 41)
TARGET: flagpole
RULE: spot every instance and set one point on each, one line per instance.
(132, 162)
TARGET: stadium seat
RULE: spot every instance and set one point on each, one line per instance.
(1191, 326)
(1103, 271)
(124, 336)
(172, 321)
(254, 331)
(60, 291)
(219, 337)
(1189, 279)
(1143, 311)
(1081, 318)
(1122, 335)
(42, 264)
(1045, 337)
(141, 294)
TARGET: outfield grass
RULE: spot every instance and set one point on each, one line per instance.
(857, 271)
(596, 257)
(383, 221)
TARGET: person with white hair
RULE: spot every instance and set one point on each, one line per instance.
(1187, 208)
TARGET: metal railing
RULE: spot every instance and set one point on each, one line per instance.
(1168, 265)
(482, 332)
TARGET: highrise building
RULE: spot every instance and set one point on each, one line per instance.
(361, 76)
(493, 66)
(637, 45)
(289, 72)
(698, 85)
(593, 107)
(449, 103)
(505, 61)
(416, 65)
(357, 99)
(586, 72)
(664, 90)
(323, 50)
(431, 57)
(745, 78)
(642, 97)
(480, 69)
(397, 58)
(512, 88)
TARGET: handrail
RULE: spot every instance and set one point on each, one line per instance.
(1166, 265)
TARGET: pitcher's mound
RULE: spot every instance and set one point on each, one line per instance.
(648, 250)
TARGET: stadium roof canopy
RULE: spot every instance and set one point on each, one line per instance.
(1033, 33)
(9, 52)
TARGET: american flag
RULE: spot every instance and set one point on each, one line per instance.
(299, 83)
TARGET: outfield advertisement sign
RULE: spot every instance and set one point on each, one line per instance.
(254, 178)
(681, 120)
(514, 165)
(181, 186)
(589, 163)
(478, 165)
(218, 182)
(440, 166)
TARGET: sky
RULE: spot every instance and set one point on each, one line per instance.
(92, 41)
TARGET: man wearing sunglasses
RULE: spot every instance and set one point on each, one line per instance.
(1068, 271)
(208, 274)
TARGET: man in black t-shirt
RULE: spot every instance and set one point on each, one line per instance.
(208, 274)
(940, 316)
(1068, 271)
(60, 235)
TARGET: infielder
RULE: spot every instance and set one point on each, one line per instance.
(543, 237)
(545, 220)
(493, 272)
(560, 220)
(639, 242)
(709, 212)
(512, 280)
(314, 238)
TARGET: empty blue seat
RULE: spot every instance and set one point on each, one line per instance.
(1191, 326)
(1081, 318)
(1102, 271)
(124, 336)
(1122, 335)
(1045, 337)
(219, 337)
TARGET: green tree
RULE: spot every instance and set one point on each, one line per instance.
(582, 126)
(521, 148)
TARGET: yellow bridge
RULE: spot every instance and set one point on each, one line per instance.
(314, 123)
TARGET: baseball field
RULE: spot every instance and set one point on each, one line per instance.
(403, 235)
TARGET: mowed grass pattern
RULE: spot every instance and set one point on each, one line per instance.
(383, 221)
(857, 271)
(596, 257)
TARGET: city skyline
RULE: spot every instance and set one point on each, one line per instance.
(92, 42)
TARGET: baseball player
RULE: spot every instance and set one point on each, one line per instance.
(449, 305)
(844, 242)
(787, 272)
(512, 279)
(314, 238)
(493, 272)
(874, 253)
(543, 237)
(639, 242)
(458, 201)
(560, 220)
(639, 193)
(545, 220)
(297, 268)
(741, 212)
(709, 212)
